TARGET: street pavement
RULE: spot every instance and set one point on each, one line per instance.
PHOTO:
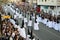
(44, 33)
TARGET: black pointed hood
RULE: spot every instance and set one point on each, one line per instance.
(9, 13)
(35, 19)
(30, 17)
(22, 23)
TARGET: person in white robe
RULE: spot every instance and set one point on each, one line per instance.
(42, 19)
(36, 27)
(22, 30)
(12, 6)
(15, 16)
(33, 16)
(12, 21)
(30, 22)
(20, 15)
(45, 21)
(50, 24)
(25, 22)
(53, 24)
(38, 19)
(56, 26)
(17, 13)
(17, 9)
(25, 19)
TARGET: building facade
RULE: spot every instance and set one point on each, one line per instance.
(50, 6)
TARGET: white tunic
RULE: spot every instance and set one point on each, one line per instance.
(53, 24)
(42, 20)
(22, 32)
(45, 21)
(25, 20)
(50, 24)
(12, 21)
(30, 23)
(20, 15)
(25, 25)
(12, 6)
(56, 26)
(17, 9)
(47, 24)
(12, 10)
(17, 14)
(38, 19)
(36, 27)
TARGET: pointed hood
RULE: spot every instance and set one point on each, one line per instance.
(30, 17)
(35, 19)
(22, 24)
(9, 13)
